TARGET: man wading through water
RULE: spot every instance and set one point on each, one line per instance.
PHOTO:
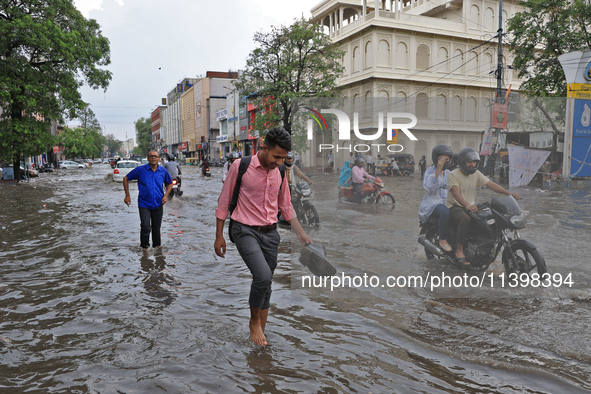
(254, 228)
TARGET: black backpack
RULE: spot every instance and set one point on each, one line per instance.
(244, 163)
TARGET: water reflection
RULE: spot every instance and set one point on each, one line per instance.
(159, 284)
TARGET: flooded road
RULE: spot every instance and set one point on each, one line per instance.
(83, 310)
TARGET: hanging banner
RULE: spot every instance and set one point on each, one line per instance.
(486, 148)
(524, 164)
(499, 116)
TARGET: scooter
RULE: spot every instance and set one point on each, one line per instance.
(489, 232)
(205, 171)
(176, 187)
(371, 192)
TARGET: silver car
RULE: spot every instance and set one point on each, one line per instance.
(123, 168)
(70, 164)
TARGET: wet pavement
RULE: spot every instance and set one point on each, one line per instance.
(82, 309)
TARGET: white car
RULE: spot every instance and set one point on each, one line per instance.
(123, 168)
(70, 164)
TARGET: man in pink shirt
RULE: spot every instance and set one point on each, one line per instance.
(254, 229)
(358, 173)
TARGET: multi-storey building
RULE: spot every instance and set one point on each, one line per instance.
(171, 125)
(439, 57)
(199, 106)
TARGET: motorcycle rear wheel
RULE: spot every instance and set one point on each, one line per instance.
(528, 259)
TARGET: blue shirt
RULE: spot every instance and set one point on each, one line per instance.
(436, 192)
(150, 185)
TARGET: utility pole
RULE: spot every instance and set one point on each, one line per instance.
(499, 99)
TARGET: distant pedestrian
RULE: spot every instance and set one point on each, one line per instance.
(330, 161)
(423, 166)
(151, 198)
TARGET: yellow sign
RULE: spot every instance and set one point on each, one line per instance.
(394, 139)
(579, 91)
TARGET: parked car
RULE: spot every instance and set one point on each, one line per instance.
(70, 164)
(122, 168)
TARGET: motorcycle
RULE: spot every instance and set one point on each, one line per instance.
(176, 187)
(300, 200)
(205, 171)
(490, 231)
(371, 192)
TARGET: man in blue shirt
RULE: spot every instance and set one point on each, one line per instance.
(151, 198)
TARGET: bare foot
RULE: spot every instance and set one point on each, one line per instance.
(444, 245)
(256, 333)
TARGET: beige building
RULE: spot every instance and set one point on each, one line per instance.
(199, 105)
(438, 57)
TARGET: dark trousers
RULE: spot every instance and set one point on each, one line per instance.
(441, 212)
(259, 252)
(460, 221)
(357, 191)
(150, 222)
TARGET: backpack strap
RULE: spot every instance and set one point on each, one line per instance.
(244, 163)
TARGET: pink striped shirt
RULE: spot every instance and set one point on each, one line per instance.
(259, 195)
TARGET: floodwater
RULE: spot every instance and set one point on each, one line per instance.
(83, 310)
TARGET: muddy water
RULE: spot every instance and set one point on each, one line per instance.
(82, 309)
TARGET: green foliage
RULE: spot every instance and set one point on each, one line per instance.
(47, 51)
(545, 30)
(290, 63)
(81, 143)
(143, 133)
(113, 146)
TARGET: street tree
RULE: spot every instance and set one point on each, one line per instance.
(48, 50)
(545, 30)
(143, 134)
(289, 64)
(113, 145)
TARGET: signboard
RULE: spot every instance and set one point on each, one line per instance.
(56, 149)
(394, 139)
(577, 131)
(499, 116)
(183, 146)
(524, 164)
(542, 139)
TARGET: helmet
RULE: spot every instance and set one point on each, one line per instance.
(232, 156)
(441, 150)
(467, 155)
(359, 160)
(289, 163)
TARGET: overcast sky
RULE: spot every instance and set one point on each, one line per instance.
(155, 44)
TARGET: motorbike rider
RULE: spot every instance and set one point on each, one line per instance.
(232, 156)
(435, 185)
(463, 183)
(174, 170)
(204, 166)
(292, 170)
(357, 178)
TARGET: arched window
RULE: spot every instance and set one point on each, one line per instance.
(474, 21)
(473, 65)
(368, 55)
(489, 19)
(442, 59)
(422, 57)
(356, 60)
(345, 62)
(401, 55)
(456, 108)
(441, 109)
(422, 106)
(471, 109)
(458, 61)
(384, 53)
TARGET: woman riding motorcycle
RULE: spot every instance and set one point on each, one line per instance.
(435, 185)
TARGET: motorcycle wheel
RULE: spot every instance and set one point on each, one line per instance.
(386, 199)
(311, 216)
(528, 259)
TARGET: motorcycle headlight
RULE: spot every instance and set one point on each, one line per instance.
(518, 221)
